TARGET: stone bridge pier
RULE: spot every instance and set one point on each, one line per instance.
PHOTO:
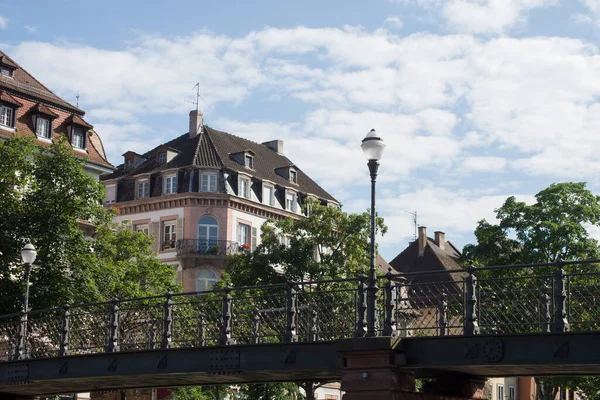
(370, 371)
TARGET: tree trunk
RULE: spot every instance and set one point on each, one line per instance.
(309, 390)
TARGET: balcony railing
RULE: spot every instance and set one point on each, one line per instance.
(209, 247)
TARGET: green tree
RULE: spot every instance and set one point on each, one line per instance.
(200, 393)
(554, 226)
(44, 195)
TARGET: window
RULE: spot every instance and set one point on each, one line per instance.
(269, 195)
(143, 189)
(162, 158)
(208, 232)
(129, 163)
(511, 393)
(77, 139)
(205, 280)
(169, 236)
(43, 128)
(171, 184)
(293, 176)
(244, 188)
(243, 235)
(248, 162)
(208, 182)
(143, 228)
(500, 392)
(290, 202)
(6, 71)
(6, 116)
(111, 194)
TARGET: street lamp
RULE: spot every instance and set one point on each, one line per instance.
(372, 146)
(28, 255)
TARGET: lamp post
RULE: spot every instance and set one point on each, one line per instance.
(28, 255)
(372, 146)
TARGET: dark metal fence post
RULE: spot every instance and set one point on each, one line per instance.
(167, 331)
(64, 333)
(20, 351)
(471, 325)
(443, 314)
(255, 333)
(389, 327)
(113, 328)
(561, 321)
(361, 309)
(313, 335)
(291, 312)
(200, 333)
(545, 314)
(226, 315)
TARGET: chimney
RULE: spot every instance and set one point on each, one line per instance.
(275, 145)
(195, 123)
(422, 240)
(440, 239)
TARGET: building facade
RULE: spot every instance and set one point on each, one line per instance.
(29, 108)
(206, 194)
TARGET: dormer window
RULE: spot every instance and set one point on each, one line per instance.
(42, 128)
(170, 184)
(7, 116)
(6, 72)
(244, 187)
(129, 163)
(248, 161)
(162, 157)
(78, 138)
(291, 202)
(293, 176)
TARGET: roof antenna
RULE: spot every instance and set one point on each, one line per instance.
(414, 214)
(198, 97)
(77, 99)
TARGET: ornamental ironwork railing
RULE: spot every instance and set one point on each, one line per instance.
(535, 298)
(209, 247)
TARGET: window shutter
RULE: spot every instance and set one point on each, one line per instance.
(155, 231)
(179, 230)
(254, 238)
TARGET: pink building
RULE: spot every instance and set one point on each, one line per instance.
(206, 194)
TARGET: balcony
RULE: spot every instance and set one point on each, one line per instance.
(209, 248)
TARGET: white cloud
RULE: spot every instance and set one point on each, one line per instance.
(592, 5)
(30, 29)
(3, 23)
(483, 164)
(394, 22)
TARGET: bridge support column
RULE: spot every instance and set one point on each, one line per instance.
(370, 370)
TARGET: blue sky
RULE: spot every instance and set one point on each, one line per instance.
(477, 99)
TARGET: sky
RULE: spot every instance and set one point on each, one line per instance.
(477, 100)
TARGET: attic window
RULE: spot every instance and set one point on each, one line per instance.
(7, 116)
(248, 161)
(78, 137)
(162, 157)
(6, 72)
(293, 176)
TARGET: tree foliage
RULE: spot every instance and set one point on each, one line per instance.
(44, 195)
(554, 226)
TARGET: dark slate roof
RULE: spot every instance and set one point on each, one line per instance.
(25, 84)
(212, 148)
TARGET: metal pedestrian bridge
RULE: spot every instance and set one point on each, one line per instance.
(535, 319)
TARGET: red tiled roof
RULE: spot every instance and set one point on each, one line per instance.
(43, 109)
(4, 60)
(76, 119)
(7, 98)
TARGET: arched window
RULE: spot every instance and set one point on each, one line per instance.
(205, 280)
(208, 232)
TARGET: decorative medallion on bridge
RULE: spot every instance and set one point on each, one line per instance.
(224, 360)
(64, 368)
(290, 357)
(162, 363)
(17, 373)
(471, 351)
(562, 351)
(493, 350)
(112, 365)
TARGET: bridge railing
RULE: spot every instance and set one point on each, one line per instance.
(534, 298)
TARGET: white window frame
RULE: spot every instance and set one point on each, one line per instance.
(77, 132)
(114, 199)
(271, 200)
(244, 238)
(162, 157)
(169, 235)
(204, 283)
(6, 72)
(211, 179)
(39, 124)
(512, 394)
(500, 391)
(295, 176)
(144, 193)
(7, 116)
(143, 228)
(244, 193)
(170, 185)
(291, 204)
(248, 161)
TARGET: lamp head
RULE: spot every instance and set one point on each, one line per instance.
(373, 146)
(28, 254)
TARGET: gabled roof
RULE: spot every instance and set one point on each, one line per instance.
(212, 148)
(7, 98)
(25, 84)
(76, 119)
(43, 109)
